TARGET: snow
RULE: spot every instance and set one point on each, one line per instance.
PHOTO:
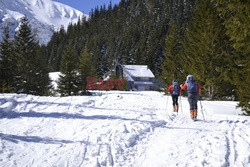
(138, 71)
(54, 76)
(119, 128)
(45, 16)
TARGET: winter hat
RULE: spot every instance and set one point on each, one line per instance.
(190, 78)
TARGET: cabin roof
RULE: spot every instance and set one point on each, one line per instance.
(139, 71)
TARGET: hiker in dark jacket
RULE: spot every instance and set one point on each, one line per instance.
(175, 90)
(194, 91)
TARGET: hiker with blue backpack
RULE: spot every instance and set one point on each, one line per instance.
(175, 90)
(194, 91)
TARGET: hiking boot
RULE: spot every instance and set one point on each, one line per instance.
(195, 114)
(176, 108)
(192, 114)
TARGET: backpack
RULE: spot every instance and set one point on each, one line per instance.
(175, 88)
(192, 88)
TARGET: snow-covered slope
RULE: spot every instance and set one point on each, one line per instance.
(45, 16)
(118, 128)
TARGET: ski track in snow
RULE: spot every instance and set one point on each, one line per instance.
(116, 128)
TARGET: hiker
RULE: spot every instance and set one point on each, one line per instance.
(174, 89)
(193, 90)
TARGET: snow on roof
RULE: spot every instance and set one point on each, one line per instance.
(127, 76)
(138, 71)
(144, 83)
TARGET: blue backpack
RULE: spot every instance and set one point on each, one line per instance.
(175, 88)
(192, 88)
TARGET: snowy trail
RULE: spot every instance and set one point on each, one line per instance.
(210, 143)
(219, 140)
(119, 129)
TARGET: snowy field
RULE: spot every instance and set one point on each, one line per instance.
(118, 128)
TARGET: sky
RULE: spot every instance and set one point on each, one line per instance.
(85, 6)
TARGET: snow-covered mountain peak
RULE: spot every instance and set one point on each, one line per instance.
(45, 16)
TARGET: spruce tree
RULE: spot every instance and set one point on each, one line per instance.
(7, 64)
(236, 16)
(172, 66)
(86, 69)
(68, 80)
(55, 49)
(40, 77)
(30, 68)
(206, 51)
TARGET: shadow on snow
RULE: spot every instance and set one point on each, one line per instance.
(55, 115)
(34, 139)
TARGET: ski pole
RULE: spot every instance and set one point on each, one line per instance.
(202, 110)
(167, 102)
(181, 101)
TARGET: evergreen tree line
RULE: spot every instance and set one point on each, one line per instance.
(132, 32)
(22, 67)
(214, 48)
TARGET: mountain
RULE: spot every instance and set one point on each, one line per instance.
(45, 16)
